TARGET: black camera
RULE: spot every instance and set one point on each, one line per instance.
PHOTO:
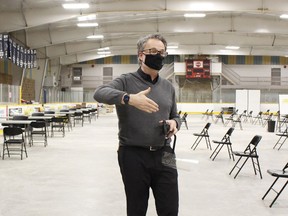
(166, 127)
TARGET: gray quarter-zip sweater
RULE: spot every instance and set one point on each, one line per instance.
(138, 128)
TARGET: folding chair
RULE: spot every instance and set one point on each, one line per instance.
(224, 141)
(282, 122)
(38, 132)
(278, 174)
(184, 119)
(203, 133)
(268, 118)
(219, 116)
(93, 113)
(86, 115)
(37, 114)
(250, 116)
(78, 117)
(258, 118)
(266, 114)
(244, 113)
(23, 126)
(14, 141)
(282, 139)
(238, 120)
(209, 114)
(231, 118)
(58, 122)
(249, 152)
(203, 114)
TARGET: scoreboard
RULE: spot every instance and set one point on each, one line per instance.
(198, 68)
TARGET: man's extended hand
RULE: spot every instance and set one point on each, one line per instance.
(142, 102)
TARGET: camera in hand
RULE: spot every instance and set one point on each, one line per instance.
(166, 127)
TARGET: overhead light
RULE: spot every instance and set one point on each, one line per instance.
(232, 47)
(172, 47)
(87, 17)
(103, 49)
(104, 53)
(95, 37)
(262, 31)
(284, 16)
(194, 15)
(87, 24)
(73, 6)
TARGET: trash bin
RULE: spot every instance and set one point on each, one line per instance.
(271, 126)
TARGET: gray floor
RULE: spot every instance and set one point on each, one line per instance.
(79, 176)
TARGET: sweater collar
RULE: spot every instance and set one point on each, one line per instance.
(147, 77)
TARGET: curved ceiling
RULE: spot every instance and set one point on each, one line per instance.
(253, 25)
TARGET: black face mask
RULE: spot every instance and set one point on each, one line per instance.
(154, 61)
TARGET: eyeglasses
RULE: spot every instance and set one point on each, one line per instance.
(154, 51)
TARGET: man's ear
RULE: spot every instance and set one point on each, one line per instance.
(140, 55)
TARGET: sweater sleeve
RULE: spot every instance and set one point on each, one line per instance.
(112, 92)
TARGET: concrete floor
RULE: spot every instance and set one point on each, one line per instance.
(78, 175)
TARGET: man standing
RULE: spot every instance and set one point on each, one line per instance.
(144, 101)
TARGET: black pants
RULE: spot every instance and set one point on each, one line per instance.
(142, 169)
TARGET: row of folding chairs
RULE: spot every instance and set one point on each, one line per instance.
(237, 119)
(15, 138)
(250, 152)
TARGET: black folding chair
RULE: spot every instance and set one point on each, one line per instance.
(249, 117)
(38, 132)
(231, 118)
(210, 114)
(78, 117)
(249, 152)
(14, 142)
(204, 114)
(283, 173)
(258, 118)
(93, 113)
(266, 119)
(183, 119)
(203, 134)
(38, 114)
(283, 137)
(86, 115)
(237, 120)
(219, 116)
(58, 123)
(225, 141)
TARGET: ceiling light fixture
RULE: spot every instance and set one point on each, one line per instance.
(104, 53)
(172, 47)
(103, 49)
(284, 16)
(87, 17)
(87, 24)
(194, 15)
(232, 47)
(74, 6)
(95, 37)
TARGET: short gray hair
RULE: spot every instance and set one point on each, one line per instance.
(142, 41)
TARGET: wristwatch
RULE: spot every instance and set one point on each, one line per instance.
(126, 99)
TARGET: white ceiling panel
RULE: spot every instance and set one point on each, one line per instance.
(255, 26)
